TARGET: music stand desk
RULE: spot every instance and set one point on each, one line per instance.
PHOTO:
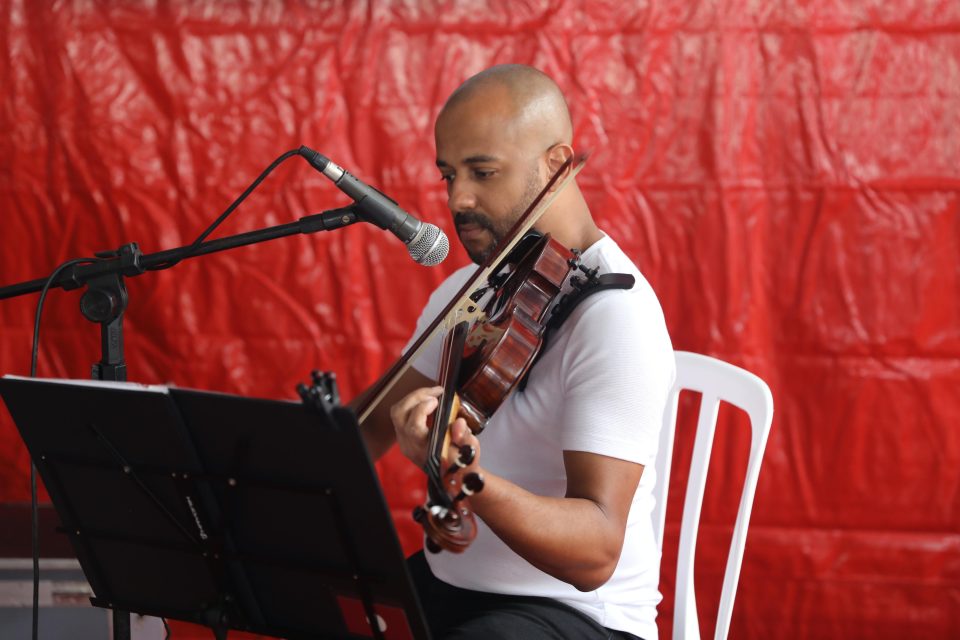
(231, 512)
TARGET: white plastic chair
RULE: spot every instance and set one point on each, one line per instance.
(719, 382)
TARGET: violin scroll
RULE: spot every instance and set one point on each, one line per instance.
(452, 526)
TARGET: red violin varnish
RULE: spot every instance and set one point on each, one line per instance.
(501, 348)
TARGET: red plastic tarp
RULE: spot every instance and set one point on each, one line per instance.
(787, 176)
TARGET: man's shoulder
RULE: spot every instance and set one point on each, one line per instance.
(630, 318)
(607, 256)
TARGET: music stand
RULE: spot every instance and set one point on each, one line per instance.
(230, 512)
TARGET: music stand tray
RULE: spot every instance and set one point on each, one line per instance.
(235, 513)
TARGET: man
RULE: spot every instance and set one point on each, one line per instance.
(565, 546)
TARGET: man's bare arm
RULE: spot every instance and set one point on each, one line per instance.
(577, 538)
(377, 430)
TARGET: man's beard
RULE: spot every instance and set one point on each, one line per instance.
(499, 228)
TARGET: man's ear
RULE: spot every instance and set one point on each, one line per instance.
(557, 155)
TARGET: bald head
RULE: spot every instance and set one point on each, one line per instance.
(524, 100)
(500, 137)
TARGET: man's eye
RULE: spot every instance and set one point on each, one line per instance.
(446, 178)
(484, 173)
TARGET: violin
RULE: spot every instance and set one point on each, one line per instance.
(501, 347)
(485, 355)
(480, 367)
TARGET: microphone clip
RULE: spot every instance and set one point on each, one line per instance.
(329, 220)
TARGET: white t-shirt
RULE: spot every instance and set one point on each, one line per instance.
(600, 387)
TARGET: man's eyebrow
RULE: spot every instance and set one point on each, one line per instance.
(470, 160)
(480, 158)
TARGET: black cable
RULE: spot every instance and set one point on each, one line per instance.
(34, 504)
(185, 253)
(190, 250)
(43, 295)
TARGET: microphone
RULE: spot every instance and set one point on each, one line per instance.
(426, 243)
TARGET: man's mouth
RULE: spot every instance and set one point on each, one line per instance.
(470, 230)
(471, 225)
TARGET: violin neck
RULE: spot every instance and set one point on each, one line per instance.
(448, 407)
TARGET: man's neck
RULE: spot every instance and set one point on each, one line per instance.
(571, 223)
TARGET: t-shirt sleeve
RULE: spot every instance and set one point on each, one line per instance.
(619, 367)
(428, 362)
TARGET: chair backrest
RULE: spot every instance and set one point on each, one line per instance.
(719, 382)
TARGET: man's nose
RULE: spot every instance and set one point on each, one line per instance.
(461, 197)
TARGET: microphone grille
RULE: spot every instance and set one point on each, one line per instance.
(430, 247)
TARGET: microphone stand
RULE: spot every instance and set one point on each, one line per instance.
(105, 299)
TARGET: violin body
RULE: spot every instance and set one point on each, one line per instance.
(500, 350)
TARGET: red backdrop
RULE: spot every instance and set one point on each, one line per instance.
(785, 173)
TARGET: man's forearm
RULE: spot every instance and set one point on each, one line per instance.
(377, 439)
(377, 429)
(572, 539)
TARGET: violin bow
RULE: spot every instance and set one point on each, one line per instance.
(462, 308)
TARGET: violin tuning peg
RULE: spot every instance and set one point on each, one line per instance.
(467, 454)
(472, 483)
(432, 545)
